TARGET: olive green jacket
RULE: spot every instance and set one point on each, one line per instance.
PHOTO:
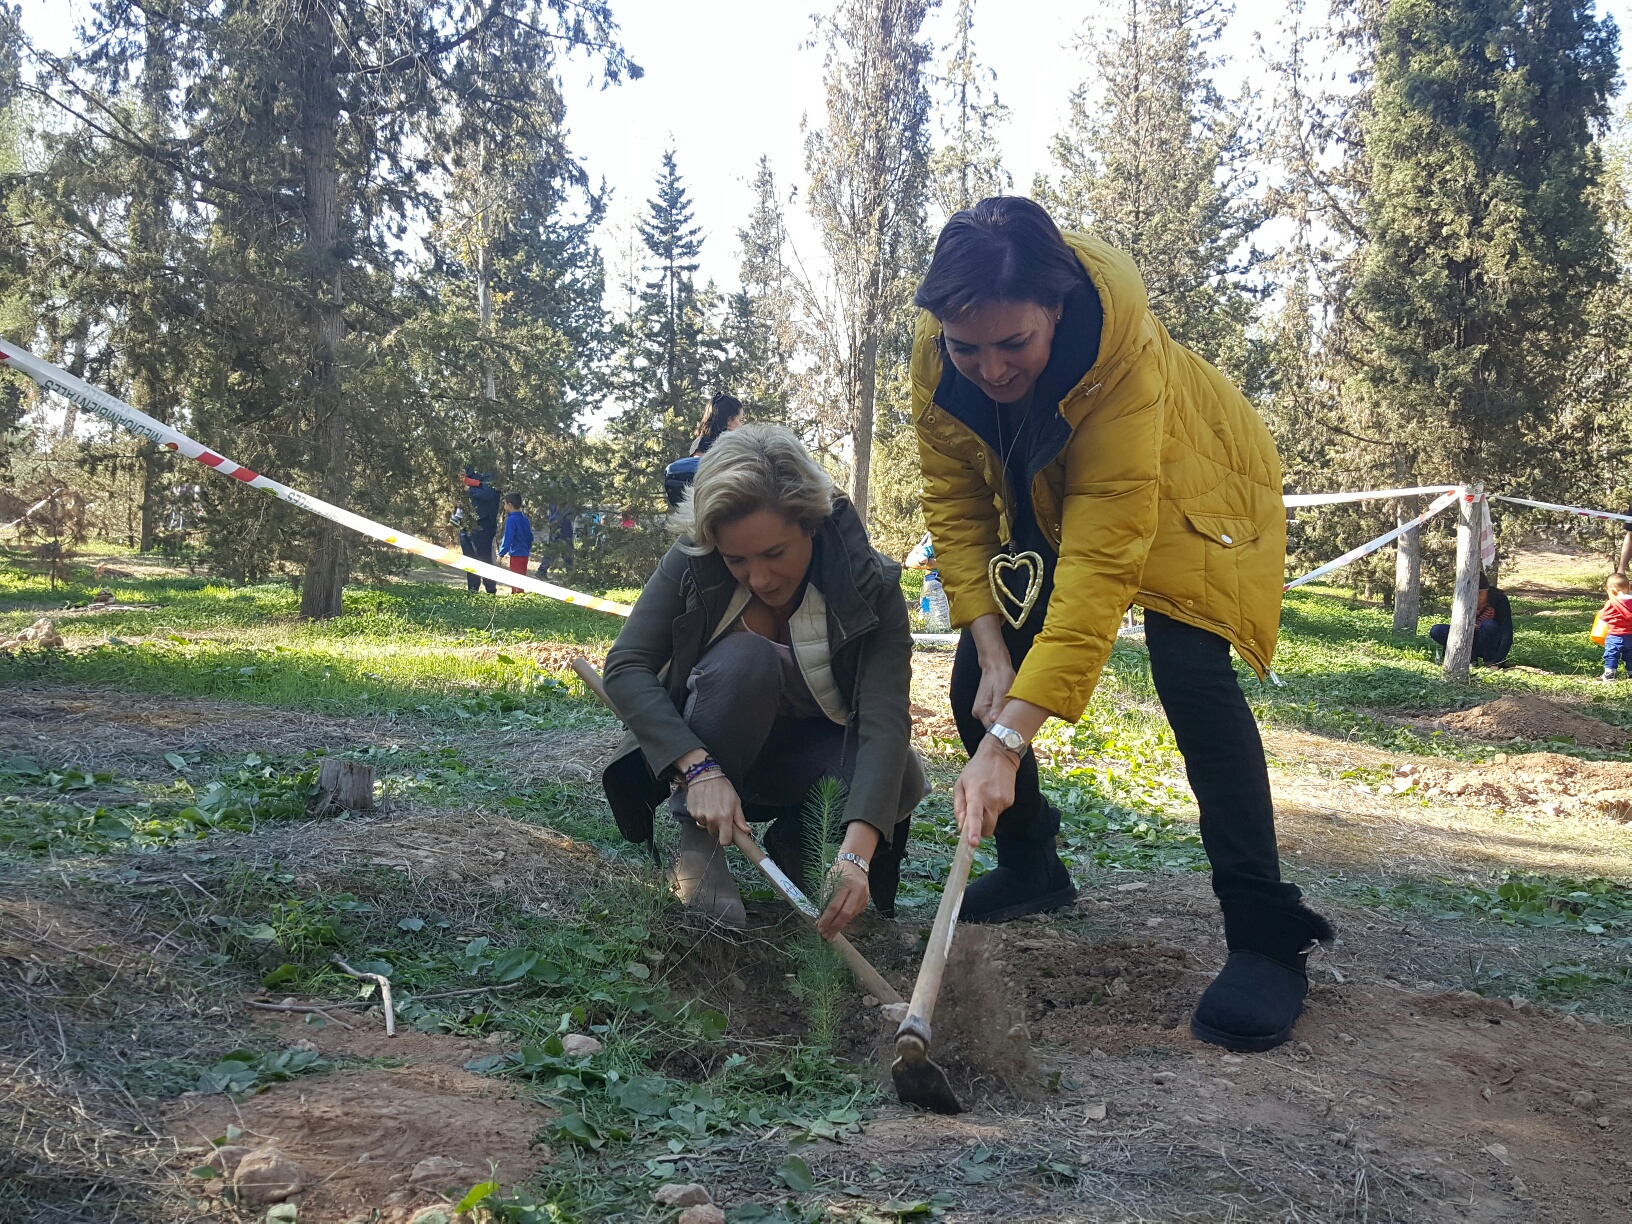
(673, 624)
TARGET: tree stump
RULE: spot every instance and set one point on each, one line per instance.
(347, 786)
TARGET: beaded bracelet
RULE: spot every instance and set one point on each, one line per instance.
(707, 764)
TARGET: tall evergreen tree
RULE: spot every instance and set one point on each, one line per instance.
(671, 352)
(1485, 241)
(761, 330)
(1155, 161)
(869, 172)
(968, 166)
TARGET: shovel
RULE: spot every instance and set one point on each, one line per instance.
(918, 1081)
(871, 980)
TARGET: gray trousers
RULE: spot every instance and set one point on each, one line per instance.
(752, 710)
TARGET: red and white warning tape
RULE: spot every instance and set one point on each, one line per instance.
(116, 411)
(1439, 503)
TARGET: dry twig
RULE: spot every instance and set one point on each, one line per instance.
(379, 979)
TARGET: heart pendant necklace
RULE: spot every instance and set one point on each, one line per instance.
(1015, 608)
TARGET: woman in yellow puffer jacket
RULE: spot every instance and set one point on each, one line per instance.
(1077, 461)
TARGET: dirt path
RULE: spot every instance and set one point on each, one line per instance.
(1405, 1096)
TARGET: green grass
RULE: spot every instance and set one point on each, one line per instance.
(669, 1097)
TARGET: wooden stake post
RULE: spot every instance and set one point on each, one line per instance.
(1407, 570)
(1465, 603)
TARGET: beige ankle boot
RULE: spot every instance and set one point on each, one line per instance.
(703, 881)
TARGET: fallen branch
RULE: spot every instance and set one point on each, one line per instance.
(379, 979)
(301, 1007)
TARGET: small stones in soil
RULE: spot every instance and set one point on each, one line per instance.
(579, 1045)
(265, 1176)
(1094, 1112)
(1165, 1077)
(675, 1194)
(1583, 1099)
(703, 1213)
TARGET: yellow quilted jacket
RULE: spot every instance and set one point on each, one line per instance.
(1167, 495)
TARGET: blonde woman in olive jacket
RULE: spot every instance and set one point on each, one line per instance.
(1077, 461)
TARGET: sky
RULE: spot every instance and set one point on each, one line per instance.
(728, 81)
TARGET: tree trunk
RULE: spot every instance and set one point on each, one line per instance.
(866, 394)
(347, 786)
(1465, 602)
(149, 226)
(1407, 571)
(327, 565)
(484, 306)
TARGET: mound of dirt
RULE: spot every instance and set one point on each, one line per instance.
(1525, 716)
(551, 656)
(545, 869)
(385, 1140)
(1545, 781)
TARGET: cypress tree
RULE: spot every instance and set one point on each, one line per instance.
(1485, 241)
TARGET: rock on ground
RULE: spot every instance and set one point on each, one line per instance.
(676, 1195)
(703, 1213)
(265, 1176)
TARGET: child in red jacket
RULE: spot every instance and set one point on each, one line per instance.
(1616, 616)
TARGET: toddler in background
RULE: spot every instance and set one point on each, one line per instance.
(1615, 618)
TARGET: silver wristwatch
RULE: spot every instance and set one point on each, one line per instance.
(1008, 737)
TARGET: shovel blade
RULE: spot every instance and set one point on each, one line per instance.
(918, 1081)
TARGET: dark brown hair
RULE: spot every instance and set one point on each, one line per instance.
(1004, 249)
(722, 410)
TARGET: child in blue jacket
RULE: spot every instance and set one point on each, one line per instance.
(518, 537)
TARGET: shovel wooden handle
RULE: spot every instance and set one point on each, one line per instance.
(871, 980)
(928, 987)
(592, 680)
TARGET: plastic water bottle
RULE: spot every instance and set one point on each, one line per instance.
(936, 611)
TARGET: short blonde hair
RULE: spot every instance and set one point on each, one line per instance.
(1617, 582)
(753, 467)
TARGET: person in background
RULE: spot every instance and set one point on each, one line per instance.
(1626, 545)
(1616, 618)
(518, 537)
(1492, 627)
(724, 414)
(476, 541)
(562, 530)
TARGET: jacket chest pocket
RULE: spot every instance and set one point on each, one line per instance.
(1225, 530)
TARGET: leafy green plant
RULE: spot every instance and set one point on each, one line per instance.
(244, 1071)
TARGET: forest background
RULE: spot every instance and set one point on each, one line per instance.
(354, 245)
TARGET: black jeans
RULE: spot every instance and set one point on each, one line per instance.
(1223, 758)
(774, 744)
(478, 544)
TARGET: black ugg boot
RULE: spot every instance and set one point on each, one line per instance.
(1028, 879)
(1255, 1000)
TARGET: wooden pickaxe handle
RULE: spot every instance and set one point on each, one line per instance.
(928, 986)
(871, 980)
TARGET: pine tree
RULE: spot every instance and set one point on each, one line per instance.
(869, 171)
(670, 347)
(1155, 161)
(761, 329)
(968, 167)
